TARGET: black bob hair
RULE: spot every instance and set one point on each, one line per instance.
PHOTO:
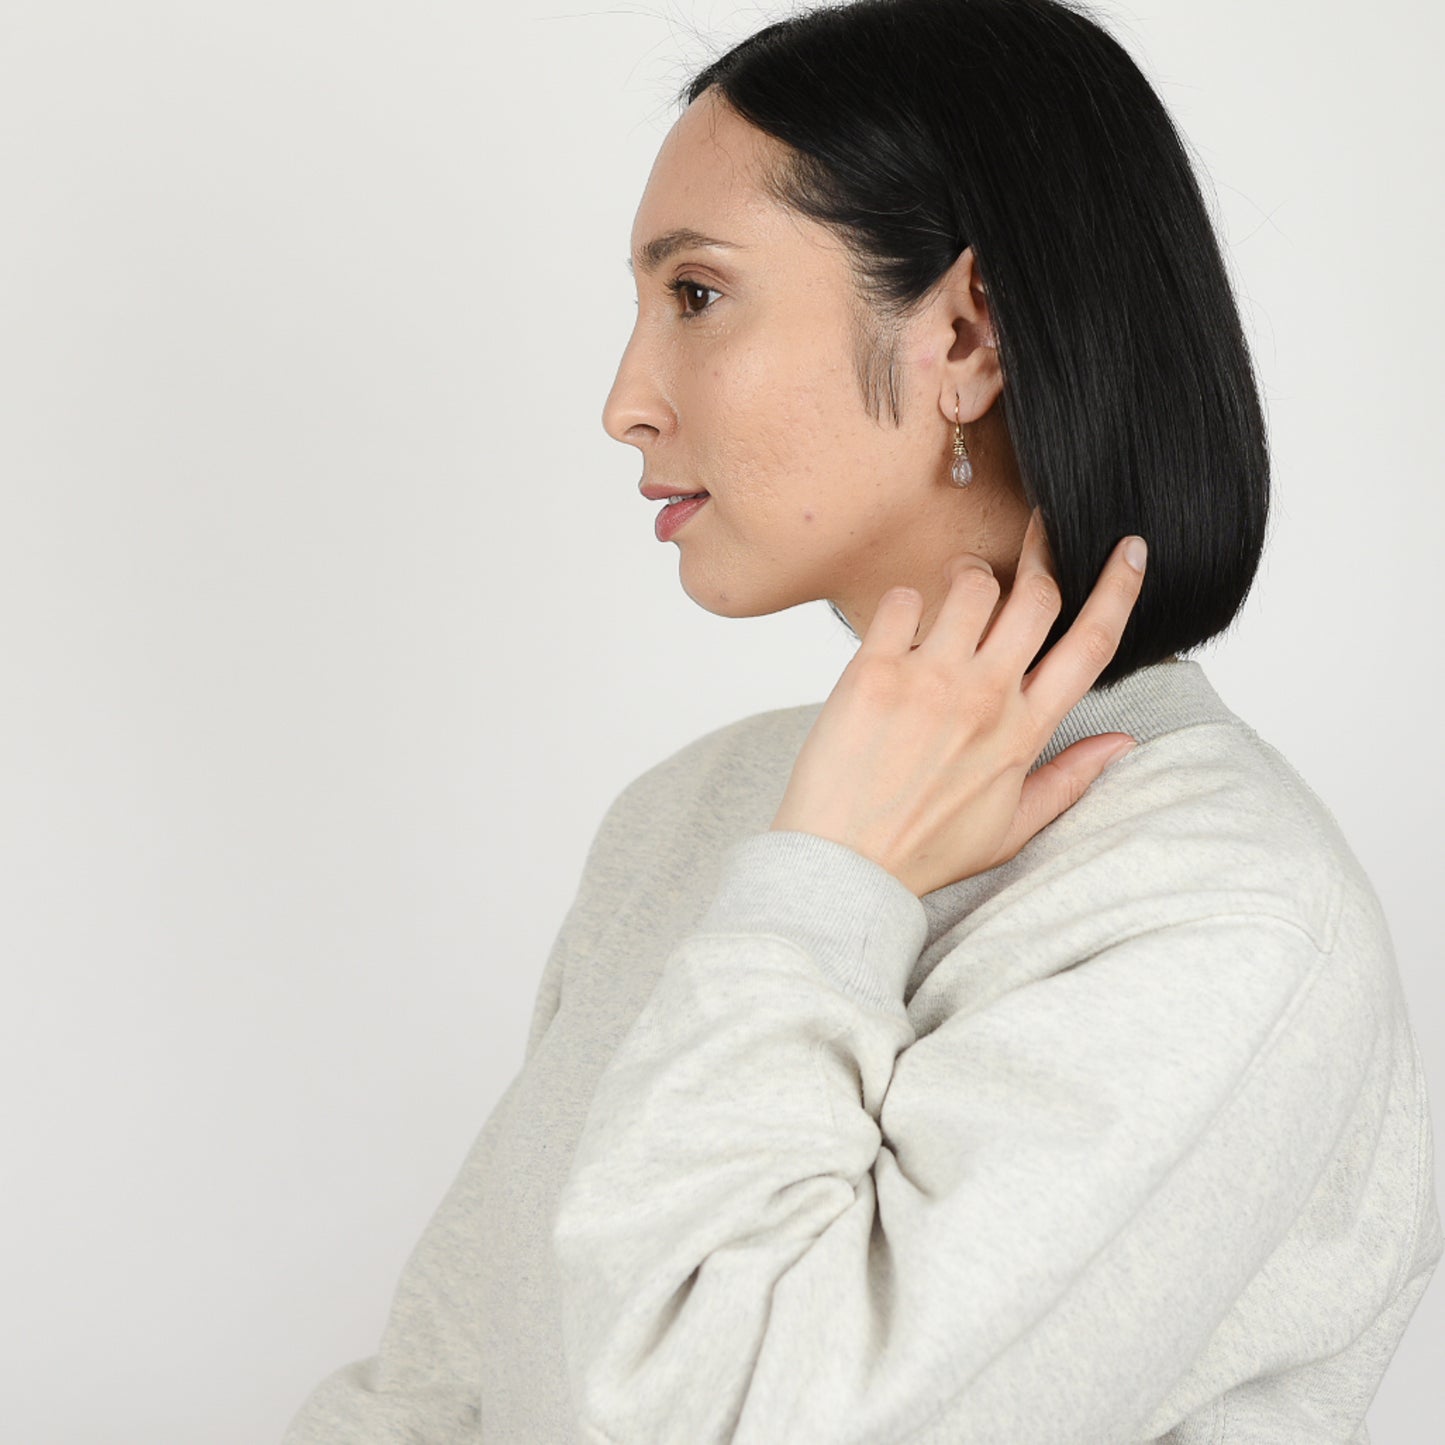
(916, 128)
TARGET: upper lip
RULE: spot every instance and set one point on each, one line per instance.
(655, 493)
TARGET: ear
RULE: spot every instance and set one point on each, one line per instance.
(972, 380)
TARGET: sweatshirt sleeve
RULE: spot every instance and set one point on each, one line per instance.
(790, 1217)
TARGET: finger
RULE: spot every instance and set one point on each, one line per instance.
(1072, 665)
(895, 621)
(967, 606)
(1055, 788)
(1034, 601)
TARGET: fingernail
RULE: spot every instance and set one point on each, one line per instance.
(1135, 551)
(1120, 751)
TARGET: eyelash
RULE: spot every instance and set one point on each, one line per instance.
(686, 283)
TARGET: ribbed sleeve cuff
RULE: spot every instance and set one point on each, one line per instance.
(863, 928)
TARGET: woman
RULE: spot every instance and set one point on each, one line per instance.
(899, 1074)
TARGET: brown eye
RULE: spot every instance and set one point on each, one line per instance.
(687, 288)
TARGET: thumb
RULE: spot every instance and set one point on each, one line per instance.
(1055, 788)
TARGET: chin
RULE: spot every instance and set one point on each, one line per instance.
(724, 606)
(733, 601)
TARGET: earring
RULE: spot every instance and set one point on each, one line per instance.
(962, 467)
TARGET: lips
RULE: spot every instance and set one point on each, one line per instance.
(657, 493)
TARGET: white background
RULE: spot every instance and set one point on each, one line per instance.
(332, 620)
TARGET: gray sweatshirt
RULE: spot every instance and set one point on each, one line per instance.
(1124, 1140)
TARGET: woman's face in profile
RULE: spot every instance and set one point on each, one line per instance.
(741, 383)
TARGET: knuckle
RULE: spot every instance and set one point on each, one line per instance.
(985, 706)
(1043, 592)
(1074, 788)
(936, 686)
(1098, 643)
(977, 579)
(876, 678)
(1127, 585)
(1023, 752)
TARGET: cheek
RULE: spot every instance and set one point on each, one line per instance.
(771, 441)
(776, 469)
(756, 447)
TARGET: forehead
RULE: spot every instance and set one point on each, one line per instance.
(706, 178)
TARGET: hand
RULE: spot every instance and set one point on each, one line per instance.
(919, 759)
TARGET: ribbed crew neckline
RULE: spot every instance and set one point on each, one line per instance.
(1160, 698)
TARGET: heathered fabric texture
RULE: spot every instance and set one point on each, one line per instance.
(1124, 1140)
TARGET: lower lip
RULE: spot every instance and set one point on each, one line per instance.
(670, 518)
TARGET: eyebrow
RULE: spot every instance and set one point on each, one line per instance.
(684, 238)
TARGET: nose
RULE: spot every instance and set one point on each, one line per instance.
(635, 411)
